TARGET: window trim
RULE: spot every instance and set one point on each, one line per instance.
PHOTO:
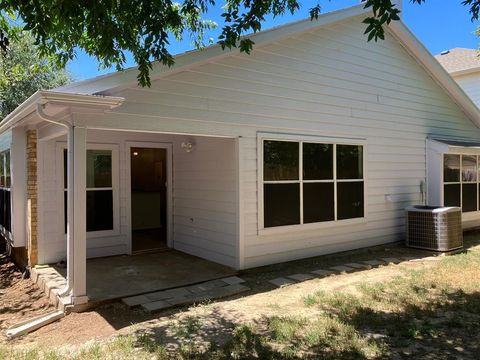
(7, 234)
(61, 146)
(261, 137)
(470, 215)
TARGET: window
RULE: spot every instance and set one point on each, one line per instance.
(309, 182)
(5, 196)
(461, 181)
(99, 190)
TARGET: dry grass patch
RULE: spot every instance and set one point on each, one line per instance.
(430, 313)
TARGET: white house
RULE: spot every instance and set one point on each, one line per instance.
(313, 144)
(464, 66)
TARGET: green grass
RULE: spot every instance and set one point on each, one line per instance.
(434, 308)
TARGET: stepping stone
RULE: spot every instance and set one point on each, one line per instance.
(136, 300)
(211, 284)
(358, 266)
(392, 260)
(167, 294)
(228, 290)
(322, 272)
(232, 280)
(181, 300)
(373, 262)
(342, 269)
(300, 277)
(156, 306)
(279, 282)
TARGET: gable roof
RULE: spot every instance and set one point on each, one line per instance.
(460, 60)
(110, 83)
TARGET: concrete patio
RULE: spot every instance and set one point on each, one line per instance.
(117, 277)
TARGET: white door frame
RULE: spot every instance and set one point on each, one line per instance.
(169, 157)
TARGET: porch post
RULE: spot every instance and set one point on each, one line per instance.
(77, 209)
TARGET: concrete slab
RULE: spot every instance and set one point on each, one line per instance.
(322, 272)
(136, 300)
(118, 277)
(300, 277)
(279, 282)
(342, 269)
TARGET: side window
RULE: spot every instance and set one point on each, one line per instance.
(461, 182)
(5, 195)
(99, 190)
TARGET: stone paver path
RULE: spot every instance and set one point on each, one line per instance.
(209, 290)
(346, 268)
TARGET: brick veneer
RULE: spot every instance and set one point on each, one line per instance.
(32, 196)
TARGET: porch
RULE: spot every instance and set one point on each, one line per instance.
(116, 277)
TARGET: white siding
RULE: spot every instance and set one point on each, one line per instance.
(203, 198)
(326, 82)
(470, 83)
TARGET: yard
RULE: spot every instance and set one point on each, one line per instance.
(424, 309)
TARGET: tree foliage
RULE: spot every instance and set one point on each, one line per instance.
(109, 29)
(23, 71)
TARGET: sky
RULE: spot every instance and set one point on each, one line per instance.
(439, 24)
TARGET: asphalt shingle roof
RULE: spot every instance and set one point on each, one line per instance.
(459, 59)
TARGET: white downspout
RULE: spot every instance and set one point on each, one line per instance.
(70, 200)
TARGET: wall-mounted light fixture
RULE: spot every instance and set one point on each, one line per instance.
(135, 153)
(187, 146)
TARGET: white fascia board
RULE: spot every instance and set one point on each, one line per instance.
(128, 77)
(57, 98)
(401, 32)
(466, 71)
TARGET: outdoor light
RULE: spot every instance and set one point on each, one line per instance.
(135, 153)
(187, 146)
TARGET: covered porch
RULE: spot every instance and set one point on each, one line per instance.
(119, 230)
(116, 277)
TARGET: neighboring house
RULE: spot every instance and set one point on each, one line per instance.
(313, 144)
(464, 66)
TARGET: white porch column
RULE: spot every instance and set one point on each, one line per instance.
(77, 209)
(18, 163)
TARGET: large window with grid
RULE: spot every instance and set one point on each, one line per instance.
(311, 182)
(5, 193)
(461, 181)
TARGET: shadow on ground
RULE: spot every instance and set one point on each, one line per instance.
(447, 330)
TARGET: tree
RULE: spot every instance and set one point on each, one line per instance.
(23, 71)
(109, 29)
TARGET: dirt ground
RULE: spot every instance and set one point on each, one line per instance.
(218, 317)
(20, 299)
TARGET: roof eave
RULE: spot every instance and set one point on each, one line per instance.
(128, 77)
(59, 98)
(436, 70)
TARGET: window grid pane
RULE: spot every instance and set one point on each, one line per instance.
(460, 171)
(99, 190)
(311, 180)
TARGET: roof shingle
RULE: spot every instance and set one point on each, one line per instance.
(459, 59)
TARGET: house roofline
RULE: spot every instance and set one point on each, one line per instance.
(106, 83)
(43, 97)
(435, 69)
(127, 77)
